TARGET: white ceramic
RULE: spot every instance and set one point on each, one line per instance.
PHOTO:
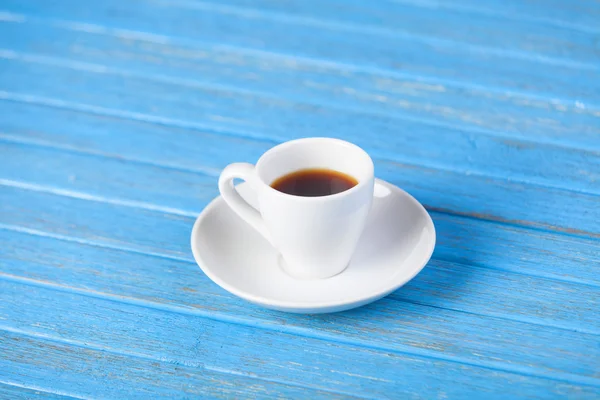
(316, 236)
(397, 242)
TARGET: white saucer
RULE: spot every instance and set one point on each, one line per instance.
(397, 243)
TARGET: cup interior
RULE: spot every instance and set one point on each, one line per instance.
(327, 153)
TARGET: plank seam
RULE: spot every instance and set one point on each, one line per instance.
(191, 261)
(60, 62)
(95, 198)
(341, 26)
(303, 332)
(453, 7)
(315, 61)
(238, 134)
(9, 137)
(40, 389)
(112, 350)
(193, 215)
(537, 226)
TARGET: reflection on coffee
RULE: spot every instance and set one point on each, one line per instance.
(314, 182)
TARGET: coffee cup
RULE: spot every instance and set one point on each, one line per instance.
(314, 235)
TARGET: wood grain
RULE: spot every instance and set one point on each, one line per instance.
(433, 71)
(471, 117)
(459, 193)
(393, 325)
(383, 114)
(580, 15)
(117, 117)
(194, 343)
(85, 372)
(18, 392)
(181, 193)
(335, 39)
(576, 312)
(407, 20)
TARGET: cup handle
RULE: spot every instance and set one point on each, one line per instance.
(246, 172)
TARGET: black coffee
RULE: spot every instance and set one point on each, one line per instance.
(314, 182)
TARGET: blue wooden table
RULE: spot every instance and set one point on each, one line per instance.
(117, 116)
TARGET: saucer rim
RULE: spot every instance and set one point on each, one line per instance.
(303, 306)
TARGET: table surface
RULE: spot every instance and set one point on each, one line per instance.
(117, 116)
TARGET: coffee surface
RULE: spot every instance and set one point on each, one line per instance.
(314, 182)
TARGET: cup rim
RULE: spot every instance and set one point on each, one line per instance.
(345, 193)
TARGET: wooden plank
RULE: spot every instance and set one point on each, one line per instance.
(382, 113)
(417, 104)
(246, 114)
(88, 206)
(580, 15)
(118, 375)
(18, 392)
(427, 19)
(262, 72)
(435, 330)
(122, 181)
(319, 37)
(433, 72)
(471, 195)
(207, 345)
(529, 162)
(408, 327)
(468, 288)
(516, 249)
(89, 372)
(185, 193)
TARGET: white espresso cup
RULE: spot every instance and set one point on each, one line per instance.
(315, 236)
